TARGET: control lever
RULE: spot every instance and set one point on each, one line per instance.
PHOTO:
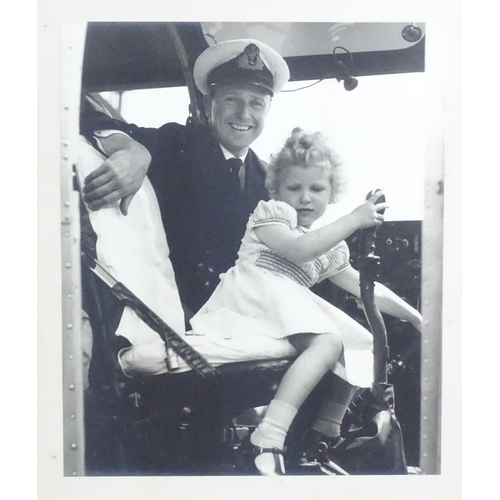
(380, 199)
(368, 265)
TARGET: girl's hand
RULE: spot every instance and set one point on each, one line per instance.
(368, 214)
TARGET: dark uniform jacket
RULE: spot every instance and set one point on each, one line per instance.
(204, 212)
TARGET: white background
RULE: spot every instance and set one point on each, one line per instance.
(480, 159)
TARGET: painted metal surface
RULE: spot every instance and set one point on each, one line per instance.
(306, 39)
(72, 42)
(432, 272)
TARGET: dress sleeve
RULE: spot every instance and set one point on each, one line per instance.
(272, 212)
(335, 260)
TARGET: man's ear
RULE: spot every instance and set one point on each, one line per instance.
(269, 106)
(207, 105)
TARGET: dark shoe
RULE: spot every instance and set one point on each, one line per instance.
(247, 452)
(319, 449)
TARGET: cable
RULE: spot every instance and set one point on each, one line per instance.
(306, 87)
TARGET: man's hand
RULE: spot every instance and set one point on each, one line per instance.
(120, 176)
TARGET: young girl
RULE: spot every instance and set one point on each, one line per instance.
(267, 293)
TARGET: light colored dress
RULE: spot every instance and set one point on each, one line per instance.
(267, 294)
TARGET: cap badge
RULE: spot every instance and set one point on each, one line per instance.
(250, 59)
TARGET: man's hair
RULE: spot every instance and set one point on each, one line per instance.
(213, 89)
(305, 150)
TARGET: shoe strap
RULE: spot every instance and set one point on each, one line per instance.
(274, 451)
(277, 454)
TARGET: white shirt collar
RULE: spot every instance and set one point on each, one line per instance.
(228, 155)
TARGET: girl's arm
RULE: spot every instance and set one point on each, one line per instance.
(387, 301)
(309, 246)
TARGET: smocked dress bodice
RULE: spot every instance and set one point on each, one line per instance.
(253, 251)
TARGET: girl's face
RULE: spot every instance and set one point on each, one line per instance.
(308, 190)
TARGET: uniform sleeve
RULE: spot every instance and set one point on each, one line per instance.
(272, 212)
(94, 117)
(335, 261)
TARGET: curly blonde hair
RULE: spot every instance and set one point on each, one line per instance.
(305, 150)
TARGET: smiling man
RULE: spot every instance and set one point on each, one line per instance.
(207, 179)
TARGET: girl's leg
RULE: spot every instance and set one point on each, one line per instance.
(319, 353)
(320, 441)
(334, 407)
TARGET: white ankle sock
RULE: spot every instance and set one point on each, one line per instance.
(272, 431)
(330, 418)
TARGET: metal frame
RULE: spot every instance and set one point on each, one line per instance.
(432, 268)
(72, 43)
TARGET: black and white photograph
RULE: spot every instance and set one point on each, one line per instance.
(251, 254)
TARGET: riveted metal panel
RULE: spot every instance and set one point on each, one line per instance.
(72, 41)
(432, 272)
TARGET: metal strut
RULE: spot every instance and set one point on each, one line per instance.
(173, 341)
(196, 104)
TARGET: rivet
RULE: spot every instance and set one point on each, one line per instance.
(66, 203)
(74, 473)
(70, 356)
(426, 379)
(425, 398)
(425, 417)
(66, 234)
(426, 301)
(66, 219)
(65, 143)
(69, 326)
(424, 436)
(424, 454)
(69, 296)
(426, 360)
(426, 322)
(65, 157)
(71, 387)
(68, 264)
(66, 108)
(72, 416)
(426, 341)
(73, 446)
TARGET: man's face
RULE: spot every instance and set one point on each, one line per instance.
(237, 114)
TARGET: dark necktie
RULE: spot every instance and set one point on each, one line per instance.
(234, 165)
